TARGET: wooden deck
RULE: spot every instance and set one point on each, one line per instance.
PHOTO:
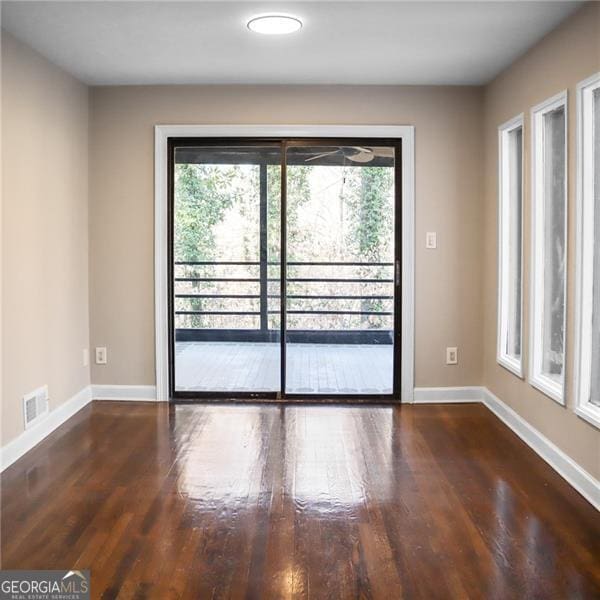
(311, 368)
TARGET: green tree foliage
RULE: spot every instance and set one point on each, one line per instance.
(298, 193)
(203, 196)
(207, 195)
(371, 236)
(203, 193)
(369, 207)
(298, 187)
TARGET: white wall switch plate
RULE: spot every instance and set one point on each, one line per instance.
(101, 356)
(431, 240)
(86, 357)
(452, 356)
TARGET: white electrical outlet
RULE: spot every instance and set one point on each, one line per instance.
(431, 240)
(101, 355)
(86, 357)
(452, 356)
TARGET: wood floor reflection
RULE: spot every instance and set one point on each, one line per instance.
(263, 501)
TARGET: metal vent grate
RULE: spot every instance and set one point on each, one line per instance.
(35, 406)
(31, 409)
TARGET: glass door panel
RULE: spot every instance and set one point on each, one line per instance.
(340, 251)
(226, 225)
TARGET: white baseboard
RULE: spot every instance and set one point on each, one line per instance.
(564, 465)
(579, 478)
(443, 395)
(36, 433)
(144, 393)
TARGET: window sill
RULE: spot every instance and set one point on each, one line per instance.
(549, 387)
(511, 364)
(590, 413)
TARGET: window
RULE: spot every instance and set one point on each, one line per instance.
(587, 366)
(510, 146)
(549, 246)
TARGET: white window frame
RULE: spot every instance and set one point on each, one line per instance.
(537, 378)
(404, 132)
(585, 250)
(504, 202)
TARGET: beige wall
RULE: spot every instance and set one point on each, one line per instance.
(45, 231)
(448, 198)
(565, 57)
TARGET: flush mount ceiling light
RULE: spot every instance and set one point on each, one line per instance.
(274, 24)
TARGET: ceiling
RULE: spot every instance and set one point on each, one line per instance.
(172, 42)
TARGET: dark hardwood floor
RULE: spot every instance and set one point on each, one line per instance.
(218, 501)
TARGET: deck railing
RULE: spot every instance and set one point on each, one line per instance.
(317, 291)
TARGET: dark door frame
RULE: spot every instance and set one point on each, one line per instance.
(282, 396)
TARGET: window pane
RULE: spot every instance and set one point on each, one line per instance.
(340, 269)
(595, 388)
(226, 265)
(513, 335)
(553, 323)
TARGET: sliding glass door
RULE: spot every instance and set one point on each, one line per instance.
(284, 278)
(225, 268)
(340, 208)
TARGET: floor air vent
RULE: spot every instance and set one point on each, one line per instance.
(35, 406)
